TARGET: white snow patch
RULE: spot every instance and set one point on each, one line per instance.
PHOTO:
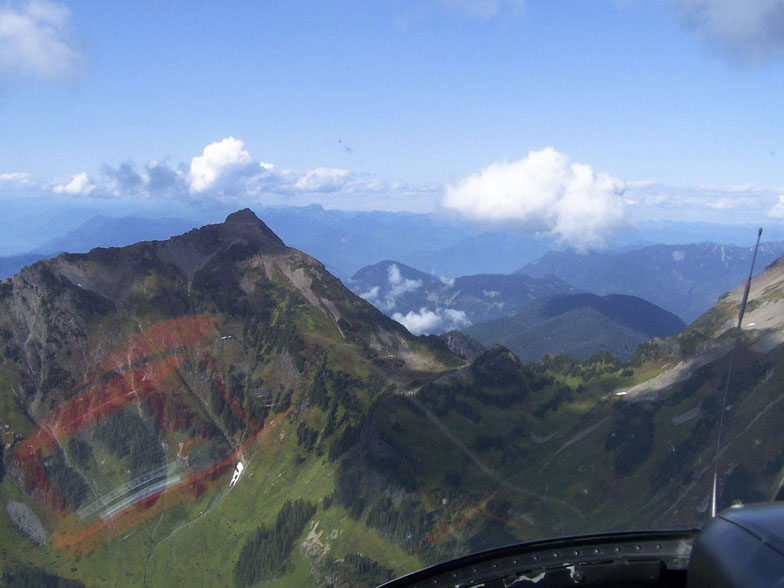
(678, 255)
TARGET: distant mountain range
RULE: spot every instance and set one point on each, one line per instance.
(530, 316)
(346, 241)
(578, 325)
(105, 231)
(683, 279)
(428, 304)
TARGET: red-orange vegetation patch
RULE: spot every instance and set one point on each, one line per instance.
(144, 369)
(162, 337)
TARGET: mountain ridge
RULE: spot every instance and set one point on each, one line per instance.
(683, 279)
(579, 325)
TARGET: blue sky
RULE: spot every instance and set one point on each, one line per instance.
(540, 113)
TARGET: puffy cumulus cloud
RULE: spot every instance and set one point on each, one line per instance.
(749, 30)
(778, 209)
(219, 162)
(36, 39)
(482, 9)
(225, 168)
(432, 321)
(544, 193)
(79, 185)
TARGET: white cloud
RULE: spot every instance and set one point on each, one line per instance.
(226, 172)
(778, 209)
(398, 287)
(749, 30)
(36, 39)
(225, 168)
(385, 296)
(155, 180)
(394, 275)
(432, 321)
(719, 204)
(16, 178)
(218, 161)
(371, 295)
(323, 180)
(543, 193)
(79, 185)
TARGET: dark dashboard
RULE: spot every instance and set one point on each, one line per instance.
(742, 547)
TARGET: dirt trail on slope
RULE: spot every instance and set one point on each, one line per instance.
(578, 437)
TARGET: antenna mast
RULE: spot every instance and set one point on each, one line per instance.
(741, 312)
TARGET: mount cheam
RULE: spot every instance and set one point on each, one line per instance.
(217, 409)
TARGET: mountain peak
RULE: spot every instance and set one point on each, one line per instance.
(242, 217)
(249, 225)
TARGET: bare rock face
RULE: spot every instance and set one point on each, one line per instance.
(462, 345)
